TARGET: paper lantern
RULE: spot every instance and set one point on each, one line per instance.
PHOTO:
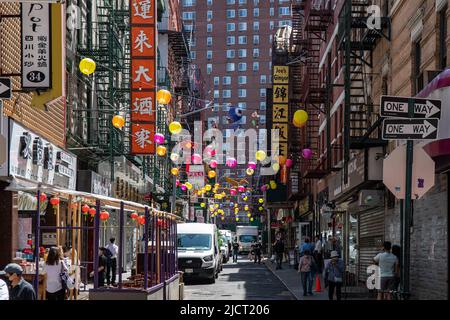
(208, 187)
(233, 192)
(177, 182)
(252, 165)
(202, 204)
(300, 118)
(87, 66)
(163, 96)
(231, 204)
(282, 160)
(104, 215)
(245, 198)
(273, 185)
(289, 163)
(161, 151)
(188, 185)
(196, 158)
(246, 208)
(159, 138)
(54, 201)
(222, 218)
(134, 215)
(237, 219)
(251, 219)
(85, 208)
(213, 164)
(250, 171)
(249, 215)
(175, 127)
(174, 157)
(276, 167)
(118, 121)
(141, 220)
(174, 171)
(231, 162)
(260, 155)
(241, 189)
(307, 153)
(260, 208)
(216, 206)
(183, 187)
(261, 200)
(43, 197)
(211, 174)
(92, 211)
(210, 152)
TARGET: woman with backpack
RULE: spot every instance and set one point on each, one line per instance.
(306, 267)
(53, 267)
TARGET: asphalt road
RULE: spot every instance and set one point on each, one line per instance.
(239, 281)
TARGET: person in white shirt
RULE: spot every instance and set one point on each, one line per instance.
(317, 254)
(112, 262)
(52, 269)
(4, 292)
(389, 265)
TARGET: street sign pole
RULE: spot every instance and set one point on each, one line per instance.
(408, 208)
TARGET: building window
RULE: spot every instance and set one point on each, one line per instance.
(255, 2)
(216, 81)
(284, 11)
(262, 106)
(192, 42)
(242, 79)
(242, 93)
(263, 79)
(231, 27)
(209, 2)
(231, 2)
(241, 2)
(242, 53)
(226, 94)
(271, 25)
(271, 38)
(188, 3)
(242, 39)
(262, 119)
(256, 53)
(209, 68)
(255, 66)
(216, 107)
(209, 15)
(189, 27)
(231, 13)
(216, 94)
(209, 54)
(230, 54)
(244, 120)
(242, 13)
(283, 23)
(226, 80)
(271, 12)
(230, 67)
(242, 105)
(418, 75)
(231, 40)
(193, 55)
(226, 107)
(262, 92)
(242, 26)
(209, 41)
(255, 39)
(242, 66)
(255, 25)
(188, 15)
(209, 27)
(443, 38)
(256, 12)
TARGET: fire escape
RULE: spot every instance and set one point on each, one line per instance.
(357, 39)
(317, 16)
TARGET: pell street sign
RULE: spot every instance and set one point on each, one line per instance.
(398, 107)
(410, 129)
(5, 88)
(394, 172)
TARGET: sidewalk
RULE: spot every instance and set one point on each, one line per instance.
(291, 280)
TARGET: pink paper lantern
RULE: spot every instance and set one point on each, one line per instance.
(307, 153)
(241, 189)
(159, 138)
(178, 183)
(213, 164)
(233, 192)
(231, 162)
(196, 158)
(210, 152)
(263, 188)
(252, 165)
(183, 187)
(289, 163)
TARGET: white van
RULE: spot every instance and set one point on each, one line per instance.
(198, 250)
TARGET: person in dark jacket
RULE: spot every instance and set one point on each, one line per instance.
(279, 251)
(20, 289)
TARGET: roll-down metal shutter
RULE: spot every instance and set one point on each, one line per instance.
(371, 235)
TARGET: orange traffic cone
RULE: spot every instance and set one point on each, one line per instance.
(318, 288)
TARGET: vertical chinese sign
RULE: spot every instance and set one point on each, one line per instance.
(143, 75)
(36, 46)
(280, 113)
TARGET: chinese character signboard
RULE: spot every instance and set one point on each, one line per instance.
(280, 113)
(143, 75)
(36, 46)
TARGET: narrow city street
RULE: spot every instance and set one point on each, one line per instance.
(244, 280)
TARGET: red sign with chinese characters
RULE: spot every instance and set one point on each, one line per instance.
(143, 75)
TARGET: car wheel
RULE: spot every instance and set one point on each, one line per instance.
(212, 280)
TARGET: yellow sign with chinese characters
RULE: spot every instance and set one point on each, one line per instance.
(281, 74)
(280, 113)
(280, 94)
(283, 131)
(283, 149)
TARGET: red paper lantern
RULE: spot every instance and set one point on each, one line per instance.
(134, 216)
(160, 222)
(74, 206)
(141, 220)
(92, 211)
(30, 242)
(85, 208)
(54, 201)
(43, 197)
(104, 215)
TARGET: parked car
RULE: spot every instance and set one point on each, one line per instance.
(224, 249)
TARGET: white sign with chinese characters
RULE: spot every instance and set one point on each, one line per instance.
(36, 159)
(36, 46)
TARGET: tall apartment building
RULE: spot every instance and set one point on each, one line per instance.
(231, 42)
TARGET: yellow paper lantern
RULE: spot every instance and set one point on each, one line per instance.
(216, 185)
(273, 185)
(236, 210)
(250, 171)
(300, 118)
(260, 155)
(202, 204)
(188, 185)
(199, 193)
(208, 187)
(216, 206)
(223, 194)
(276, 167)
(249, 215)
(237, 219)
(212, 174)
(87, 66)
(175, 127)
(245, 198)
(118, 121)
(246, 208)
(174, 171)
(251, 219)
(261, 200)
(235, 205)
(163, 96)
(161, 151)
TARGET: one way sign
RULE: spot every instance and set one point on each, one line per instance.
(5, 88)
(410, 129)
(398, 107)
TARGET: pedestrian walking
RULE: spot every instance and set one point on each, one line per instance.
(317, 254)
(20, 289)
(53, 267)
(279, 250)
(74, 270)
(112, 262)
(4, 291)
(235, 250)
(257, 252)
(102, 265)
(389, 267)
(307, 245)
(306, 267)
(334, 273)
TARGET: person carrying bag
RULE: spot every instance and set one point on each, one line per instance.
(334, 273)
